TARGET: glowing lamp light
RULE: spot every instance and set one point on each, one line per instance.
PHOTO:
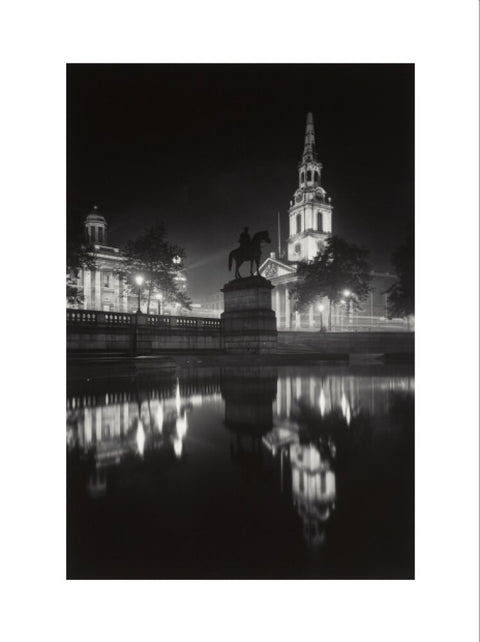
(159, 296)
(139, 279)
(321, 307)
(346, 293)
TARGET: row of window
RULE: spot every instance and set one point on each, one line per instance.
(319, 221)
(316, 176)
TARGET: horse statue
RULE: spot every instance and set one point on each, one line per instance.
(251, 252)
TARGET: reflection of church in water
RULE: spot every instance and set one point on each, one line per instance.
(262, 414)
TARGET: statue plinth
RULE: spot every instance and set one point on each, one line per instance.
(248, 322)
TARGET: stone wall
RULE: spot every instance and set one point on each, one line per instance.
(348, 342)
(122, 333)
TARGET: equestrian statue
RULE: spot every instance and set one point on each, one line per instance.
(249, 250)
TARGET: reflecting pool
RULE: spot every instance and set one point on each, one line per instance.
(261, 472)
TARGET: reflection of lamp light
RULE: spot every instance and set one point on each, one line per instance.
(181, 427)
(321, 402)
(346, 409)
(140, 438)
(160, 417)
(177, 397)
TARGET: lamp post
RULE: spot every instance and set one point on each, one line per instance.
(160, 301)
(321, 307)
(139, 281)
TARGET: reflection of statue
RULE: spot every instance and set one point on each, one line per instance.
(248, 394)
(249, 250)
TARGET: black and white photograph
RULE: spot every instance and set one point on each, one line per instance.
(241, 338)
(240, 321)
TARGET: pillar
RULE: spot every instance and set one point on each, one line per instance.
(87, 289)
(311, 322)
(123, 294)
(98, 292)
(287, 309)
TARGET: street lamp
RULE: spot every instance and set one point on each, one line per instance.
(160, 301)
(139, 280)
(321, 308)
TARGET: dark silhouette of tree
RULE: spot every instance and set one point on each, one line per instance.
(159, 261)
(80, 254)
(340, 266)
(401, 295)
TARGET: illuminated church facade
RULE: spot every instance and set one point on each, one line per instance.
(309, 225)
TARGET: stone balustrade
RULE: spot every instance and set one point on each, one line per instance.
(130, 333)
(95, 317)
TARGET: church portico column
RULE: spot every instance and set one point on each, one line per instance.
(277, 304)
(287, 309)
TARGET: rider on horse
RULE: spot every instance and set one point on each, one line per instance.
(245, 239)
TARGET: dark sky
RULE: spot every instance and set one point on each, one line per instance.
(209, 149)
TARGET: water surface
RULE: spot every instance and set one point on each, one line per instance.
(288, 472)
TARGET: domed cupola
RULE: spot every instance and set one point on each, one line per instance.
(96, 227)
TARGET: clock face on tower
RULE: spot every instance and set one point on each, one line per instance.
(298, 198)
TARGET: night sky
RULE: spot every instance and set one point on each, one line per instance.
(209, 149)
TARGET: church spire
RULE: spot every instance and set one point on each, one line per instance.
(309, 152)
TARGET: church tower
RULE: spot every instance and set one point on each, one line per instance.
(310, 213)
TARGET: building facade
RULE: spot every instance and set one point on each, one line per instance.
(104, 288)
(310, 224)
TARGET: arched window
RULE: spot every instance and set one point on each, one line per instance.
(299, 223)
(319, 222)
(316, 177)
(297, 248)
(100, 234)
(302, 177)
(309, 175)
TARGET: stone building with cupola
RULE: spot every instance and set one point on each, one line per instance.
(103, 288)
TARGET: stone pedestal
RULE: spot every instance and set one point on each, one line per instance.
(248, 322)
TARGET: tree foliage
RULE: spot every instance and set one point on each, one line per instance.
(401, 295)
(80, 255)
(158, 260)
(340, 266)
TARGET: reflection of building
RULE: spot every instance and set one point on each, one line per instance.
(312, 475)
(103, 288)
(109, 427)
(313, 489)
